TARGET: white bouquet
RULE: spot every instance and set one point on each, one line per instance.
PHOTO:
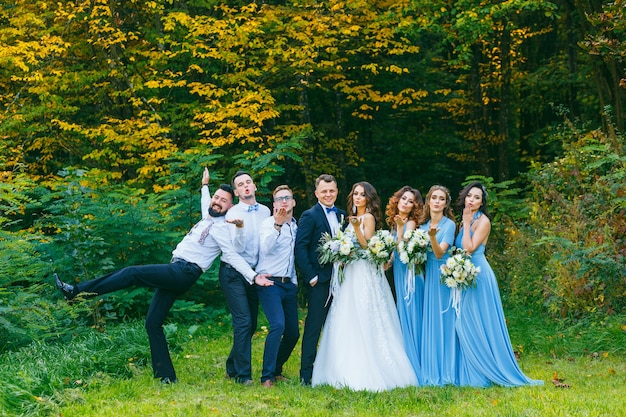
(458, 274)
(338, 250)
(412, 249)
(380, 247)
(459, 271)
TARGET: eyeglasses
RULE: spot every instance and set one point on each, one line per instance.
(283, 198)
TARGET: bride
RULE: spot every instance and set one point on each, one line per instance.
(361, 347)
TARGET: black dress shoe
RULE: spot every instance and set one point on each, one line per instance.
(68, 290)
(166, 380)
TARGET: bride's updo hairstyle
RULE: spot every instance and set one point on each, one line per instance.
(372, 202)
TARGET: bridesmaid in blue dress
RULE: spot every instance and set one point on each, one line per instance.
(439, 353)
(486, 353)
(402, 212)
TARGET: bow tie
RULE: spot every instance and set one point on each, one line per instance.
(331, 209)
(254, 207)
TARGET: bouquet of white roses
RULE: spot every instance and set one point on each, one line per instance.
(338, 250)
(459, 271)
(412, 249)
(341, 248)
(380, 247)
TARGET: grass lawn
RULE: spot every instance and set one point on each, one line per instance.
(596, 387)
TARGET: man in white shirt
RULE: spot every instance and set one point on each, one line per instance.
(278, 292)
(239, 290)
(192, 256)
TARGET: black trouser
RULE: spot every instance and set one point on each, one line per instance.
(170, 281)
(318, 305)
(243, 303)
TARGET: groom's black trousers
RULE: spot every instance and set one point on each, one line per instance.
(317, 298)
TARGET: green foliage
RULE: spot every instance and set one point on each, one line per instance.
(606, 45)
(34, 373)
(572, 239)
(555, 337)
(128, 227)
(27, 310)
(96, 230)
(34, 314)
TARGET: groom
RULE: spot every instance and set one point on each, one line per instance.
(322, 217)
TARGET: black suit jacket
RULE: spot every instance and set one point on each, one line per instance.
(311, 225)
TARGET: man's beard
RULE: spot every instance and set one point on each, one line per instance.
(215, 213)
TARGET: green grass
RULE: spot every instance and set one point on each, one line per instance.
(596, 389)
(109, 375)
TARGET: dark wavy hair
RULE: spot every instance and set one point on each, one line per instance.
(460, 203)
(392, 206)
(372, 202)
(446, 211)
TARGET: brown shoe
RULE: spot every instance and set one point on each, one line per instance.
(281, 378)
(268, 383)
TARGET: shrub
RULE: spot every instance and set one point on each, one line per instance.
(569, 247)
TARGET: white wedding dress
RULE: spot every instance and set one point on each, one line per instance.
(361, 347)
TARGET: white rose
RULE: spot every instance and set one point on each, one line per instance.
(450, 282)
(345, 250)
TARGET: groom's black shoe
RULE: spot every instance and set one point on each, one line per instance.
(68, 290)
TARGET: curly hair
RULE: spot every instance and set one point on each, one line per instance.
(392, 206)
(372, 201)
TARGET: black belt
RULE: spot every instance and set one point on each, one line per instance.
(283, 280)
(184, 261)
(229, 266)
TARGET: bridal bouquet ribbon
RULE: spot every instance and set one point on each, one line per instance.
(458, 274)
(339, 250)
(412, 250)
(380, 247)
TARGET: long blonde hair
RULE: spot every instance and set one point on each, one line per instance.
(447, 211)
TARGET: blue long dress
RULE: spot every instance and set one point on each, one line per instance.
(409, 311)
(486, 353)
(440, 347)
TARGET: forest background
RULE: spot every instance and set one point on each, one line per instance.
(110, 110)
